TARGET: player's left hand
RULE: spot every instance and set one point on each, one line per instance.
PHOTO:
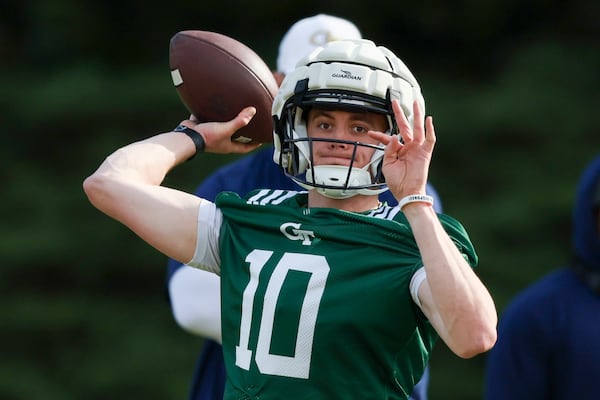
(406, 164)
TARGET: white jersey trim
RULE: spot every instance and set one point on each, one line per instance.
(269, 196)
(415, 283)
(206, 255)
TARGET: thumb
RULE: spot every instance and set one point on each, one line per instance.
(393, 146)
(243, 118)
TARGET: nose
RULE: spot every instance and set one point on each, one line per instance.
(338, 134)
(338, 145)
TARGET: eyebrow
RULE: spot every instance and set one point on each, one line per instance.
(317, 113)
(361, 116)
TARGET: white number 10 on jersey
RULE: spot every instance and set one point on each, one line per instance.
(298, 365)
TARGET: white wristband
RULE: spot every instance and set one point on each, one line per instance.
(415, 198)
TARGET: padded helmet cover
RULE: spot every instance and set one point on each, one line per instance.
(344, 75)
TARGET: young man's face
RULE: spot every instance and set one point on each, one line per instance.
(343, 125)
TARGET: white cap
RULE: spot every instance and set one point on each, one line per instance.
(308, 34)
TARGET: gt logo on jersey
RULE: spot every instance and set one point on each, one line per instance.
(292, 231)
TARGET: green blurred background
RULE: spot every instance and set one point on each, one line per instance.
(513, 87)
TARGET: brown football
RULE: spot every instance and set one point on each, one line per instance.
(217, 76)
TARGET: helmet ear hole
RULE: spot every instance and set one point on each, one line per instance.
(301, 149)
(294, 160)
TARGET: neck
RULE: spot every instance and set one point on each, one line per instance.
(358, 203)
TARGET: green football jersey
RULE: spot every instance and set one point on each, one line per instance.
(316, 301)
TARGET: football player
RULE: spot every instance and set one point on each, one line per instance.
(193, 293)
(327, 292)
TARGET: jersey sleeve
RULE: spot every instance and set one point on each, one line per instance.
(460, 237)
(208, 190)
(206, 256)
(415, 283)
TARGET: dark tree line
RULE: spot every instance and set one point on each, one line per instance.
(513, 88)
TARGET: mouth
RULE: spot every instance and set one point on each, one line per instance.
(336, 160)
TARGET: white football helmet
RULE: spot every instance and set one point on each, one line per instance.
(346, 75)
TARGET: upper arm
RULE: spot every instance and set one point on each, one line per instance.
(163, 217)
(429, 309)
(167, 221)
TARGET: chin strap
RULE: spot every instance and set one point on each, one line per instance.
(334, 176)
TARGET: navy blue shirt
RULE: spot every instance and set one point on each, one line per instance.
(548, 343)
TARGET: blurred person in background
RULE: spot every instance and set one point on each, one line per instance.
(549, 336)
(193, 293)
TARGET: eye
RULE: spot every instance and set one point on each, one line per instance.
(360, 129)
(324, 125)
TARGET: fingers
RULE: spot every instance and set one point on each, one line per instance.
(420, 130)
(391, 143)
(383, 138)
(403, 124)
(217, 135)
(430, 137)
(243, 118)
(240, 121)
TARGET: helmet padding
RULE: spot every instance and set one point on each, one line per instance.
(351, 75)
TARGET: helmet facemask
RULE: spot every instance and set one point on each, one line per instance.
(337, 85)
(335, 181)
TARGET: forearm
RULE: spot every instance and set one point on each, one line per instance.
(454, 298)
(127, 188)
(149, 160)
